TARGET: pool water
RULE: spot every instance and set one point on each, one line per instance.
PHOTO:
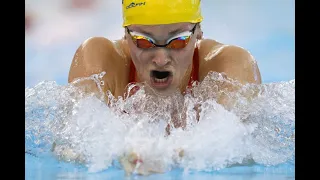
(49, 168)
(259, 130)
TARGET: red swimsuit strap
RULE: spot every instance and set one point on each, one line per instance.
(195, 68)
(132, 73)
(194, 72)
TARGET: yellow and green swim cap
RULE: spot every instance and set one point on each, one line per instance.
(152, 12)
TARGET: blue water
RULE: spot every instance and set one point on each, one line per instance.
(49, 168)
(214, 147)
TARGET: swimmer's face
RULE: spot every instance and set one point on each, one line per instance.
(163, 69)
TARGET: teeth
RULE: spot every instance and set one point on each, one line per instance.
(160, 80)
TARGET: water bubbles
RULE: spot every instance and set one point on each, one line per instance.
(100, 76)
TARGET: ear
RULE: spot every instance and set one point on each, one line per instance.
(199, 34)
(124, 36)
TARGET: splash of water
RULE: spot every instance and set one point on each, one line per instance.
(259, 129)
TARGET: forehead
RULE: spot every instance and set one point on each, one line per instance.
(162, 29)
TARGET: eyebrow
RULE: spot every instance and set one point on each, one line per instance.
(171, 33)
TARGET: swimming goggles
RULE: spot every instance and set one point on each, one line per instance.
(177, 42)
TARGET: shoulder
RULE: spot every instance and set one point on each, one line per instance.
(235, 61)
(210, 50)
(96, 55)
(99, 49)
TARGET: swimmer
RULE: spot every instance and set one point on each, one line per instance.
(163, 47)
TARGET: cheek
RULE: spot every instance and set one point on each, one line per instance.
(184, 59)
(136, 55)
(140, 58)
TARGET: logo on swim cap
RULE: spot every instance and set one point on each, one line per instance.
(131, 5)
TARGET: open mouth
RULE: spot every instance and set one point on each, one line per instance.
(161, 79)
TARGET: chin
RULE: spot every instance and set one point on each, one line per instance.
(167, 91)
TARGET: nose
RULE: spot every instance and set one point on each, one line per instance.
(161, 58)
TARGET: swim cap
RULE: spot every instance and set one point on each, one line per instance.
(151, 12)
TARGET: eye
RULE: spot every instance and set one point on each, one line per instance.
(183, 34)
(141, 36)
(143, 43)
(179, 43)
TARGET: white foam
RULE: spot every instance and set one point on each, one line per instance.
(261, 129)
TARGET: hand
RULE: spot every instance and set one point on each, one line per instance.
(132, 163)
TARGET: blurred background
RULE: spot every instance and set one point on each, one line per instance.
(55, 28)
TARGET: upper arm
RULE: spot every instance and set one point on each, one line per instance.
(236, 62)
(92, 57)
